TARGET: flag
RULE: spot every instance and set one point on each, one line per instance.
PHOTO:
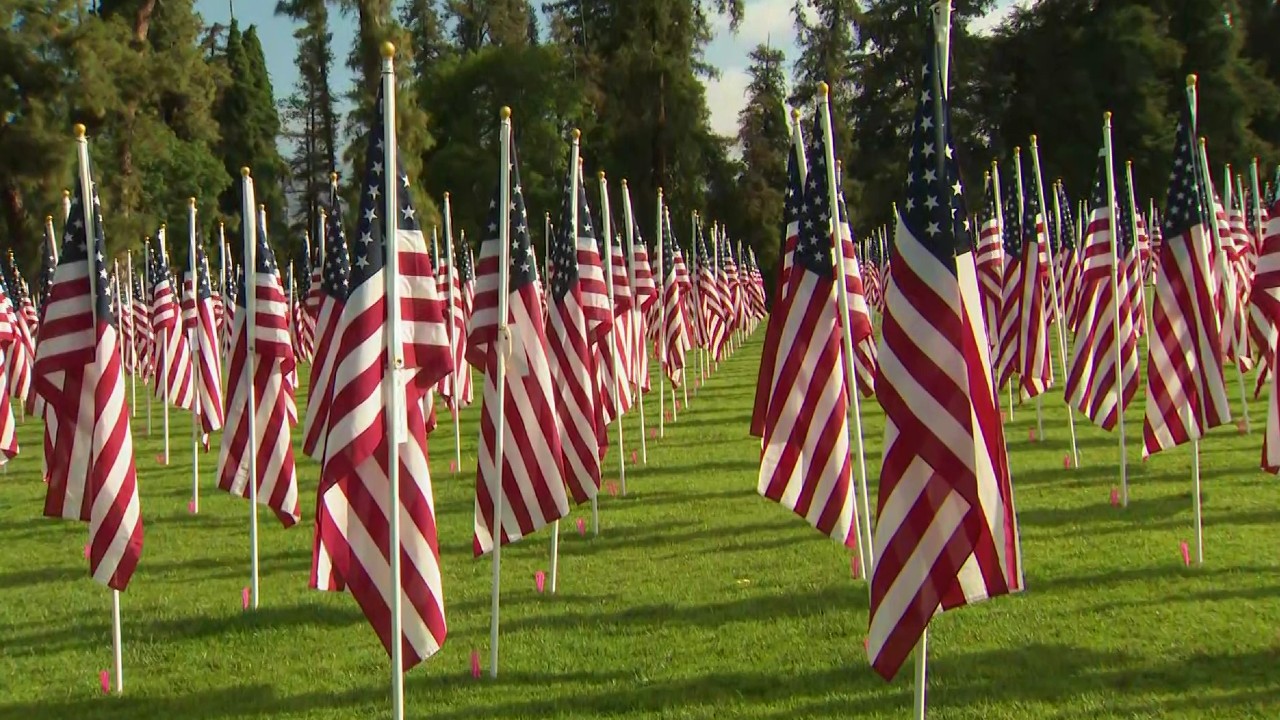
(204, 341)
(864, 342)
(314, 273)
(78, 372)
(794, 199)
(334, 290)
(1069, 263)
(989, 257)
(579, 407)
(612, 353)
(9, 323)
(804, 462)
(1186, 393)
(946, 532)
(532, 484)
(1035, 370)
(276, 477)
(353, 544)
(1092, 385)
(172, 354)
(459, 276)
(712, 310)
(674, 330)
(1005, 337)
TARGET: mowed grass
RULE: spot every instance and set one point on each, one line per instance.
(698, 599)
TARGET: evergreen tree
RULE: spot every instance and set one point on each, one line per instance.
(764, 137)
(310, 112)
(829, 53)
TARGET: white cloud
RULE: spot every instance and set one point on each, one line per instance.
(726, 97)
(987, 24)
(765, 21)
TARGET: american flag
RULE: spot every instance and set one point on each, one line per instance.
(755, 285)
(646, 300)
(140, 323)
(1091, 383)
(78, 370)
(304, 323)
(946, 534)
(579, 407)
(793, 200)
(804, 462)
(674, 331)
(204, 340)
(1070, 254)
(1264, 296)
(9, 322)
(713, 305)
(613, 375)
(174, 374)
(533, 493)
(352, 545)
(315, 277)
(990, 259)
(21, 354)
(1004, 338)
(1235, 280)
(273, 360)
(1035, 370)
(459, 289)
(1186, 393)
(334, 290)
(1131, 267)
(864, 342)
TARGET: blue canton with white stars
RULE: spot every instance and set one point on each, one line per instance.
(934, 211)
(813, 248)
(266, 259)
(1126, 217)
(1069, 239)
(1012, 230)
(76, 248)
(335, 278)
(523, 262)
(1184, 208)
(369, 250)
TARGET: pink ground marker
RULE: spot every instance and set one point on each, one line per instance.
(1186, 554)
(160, 459)
(475, 664)
(653, 435)
(855, 568)
(1115, 497)
(86, 551)
(191, 507)
(613, 488)
(540, 580)
(453, 466)
(633, 457)
(104, 677)
(244, 599)
(582, 526)
(1066, 462)
(1031, 434)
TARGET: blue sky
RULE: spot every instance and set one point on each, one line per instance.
(766, 21)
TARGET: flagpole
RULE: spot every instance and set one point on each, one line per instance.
(662, 323)
(195, 357)
(637, 316)
(86, 191)
(1112, 227)
(500, 376)
(1017, 166)
(162, 238)
(66, 207)
(249, 230)
(133, 323)
(453, 331)
(394, 398)
(613, 336)
(1201, 179)
(995, 186)
(866, 556)
(1053, 293)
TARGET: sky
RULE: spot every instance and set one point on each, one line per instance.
(766, 21)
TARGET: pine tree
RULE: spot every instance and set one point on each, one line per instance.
(764, 136)
(310, 112)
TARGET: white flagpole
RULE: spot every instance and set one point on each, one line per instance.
(457, 372)
(996, 188)
(394, 398)
(86, 192)
(195, 356)
(500, 376)
(1017, 166)
(613, 336)
(836, 237)
(249, 230)
(148, 291)
(637, 318)
(164, 350)
(133, 323)
(662, 324)
(1053, 295)
(66, 208)
(1212, 217)
(1112, 226)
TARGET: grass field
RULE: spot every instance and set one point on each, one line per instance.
(699, 599)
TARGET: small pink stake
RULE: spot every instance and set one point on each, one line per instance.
(244, 599)
(677, 406)
(540, 580)
(613, 488)
(653, 435)
(633, 457)
(1115, 497)
(1066, 462)
(475, 664)
(86, 551)
(1240, 426)
(582, 526)
(160, 459)
(1004, 416)
(1186, 554)
(855, 568)
(1031, 434)
(104, 677)
(453, 466)
(191, 507)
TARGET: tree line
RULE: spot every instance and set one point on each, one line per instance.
(175, 106)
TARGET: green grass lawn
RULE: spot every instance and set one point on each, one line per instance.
(699, 599)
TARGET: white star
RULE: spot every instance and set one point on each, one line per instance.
(931, 202)
(930, 176)
(932, 229)
(377, 167)
(366, 238)
(373, 192)
(408, 212)
(928, 149)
